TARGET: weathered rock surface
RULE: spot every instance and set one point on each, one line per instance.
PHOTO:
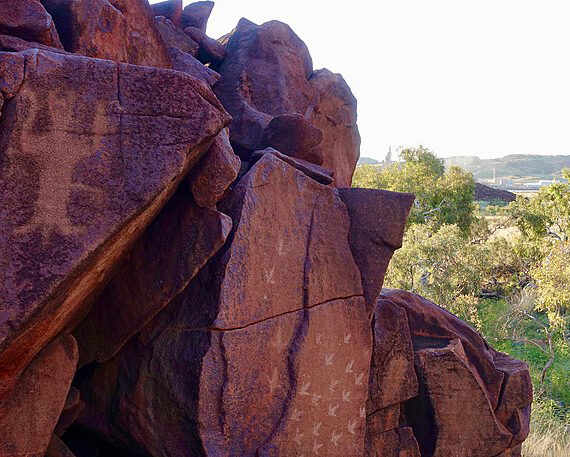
(29, 413)
(161, 264)
(216, 171)
(28, 20)
(267, 73)
(458, 372)
(307, 347)
(221, 307)
(119, 30)
(90, 151)
(176, 38)
(183, 61)
(170, 9)
(196, 15)
(334, 113)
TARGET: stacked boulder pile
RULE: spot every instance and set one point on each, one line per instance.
(184, 268)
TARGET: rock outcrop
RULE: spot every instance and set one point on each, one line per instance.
(178, 282)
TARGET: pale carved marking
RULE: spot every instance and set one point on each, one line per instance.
(319, 338)
(333, 385)
(346, 396)
(296, 415)
(316, 428)
(335, 437)
(317, 447)
(274, 380)
(298, 437)
(332, 410)
(315, 399)
(347, 338)
(358, 379)
(349, 365)
(351, 427)
(281, 247)
(329, 359)
(363, 412)
(269, 275)
(305, 389)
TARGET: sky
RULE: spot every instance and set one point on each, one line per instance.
(461, 77)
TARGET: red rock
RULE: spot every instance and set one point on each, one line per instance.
(515, 401)
(161, 264)
(28, 19)
(271, 347)
(183, 61)
(71, 410)
(377, 223)
(432, 326)
(293, 135)
(57, 448)
(319, 174)
(265, 74)
(29, 412)
(392, 375)
(453, 389)
(170, 9)
(216, 171)
(196, 15)
(210, 49)
(399, 442)
(91, 151)
(14, 44)
(119, 30)
(176, 38)
(334, 113)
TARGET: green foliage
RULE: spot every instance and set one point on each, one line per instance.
(442, 197)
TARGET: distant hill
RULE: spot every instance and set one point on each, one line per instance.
(515, 165)
(486, 193)
(367, 161)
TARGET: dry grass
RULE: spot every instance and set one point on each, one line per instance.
(547, 440)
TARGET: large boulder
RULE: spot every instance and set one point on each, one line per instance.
(458, 372)
(161, 264)
(28, 20)
(267, 74)
(90, 151)
(196, 15)
(29, 413)
(334, 113)
(119, 30)
(265, 353)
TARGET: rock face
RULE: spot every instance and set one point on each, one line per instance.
(172, 287)
(90, 152)
(120, 30)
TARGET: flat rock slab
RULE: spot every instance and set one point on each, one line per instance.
(119, 30)
(29, 413)
(271, 347)
(89, 152)
(161, 264)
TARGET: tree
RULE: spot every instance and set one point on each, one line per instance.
(442, 197)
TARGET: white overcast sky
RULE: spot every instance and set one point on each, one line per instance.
(462, 77)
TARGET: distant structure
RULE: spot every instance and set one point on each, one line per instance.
(388, 158)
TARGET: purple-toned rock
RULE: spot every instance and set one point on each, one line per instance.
(334, 113)
(170, 9)
(271, 347)
(196, 15)
(183, 61)
(29, 411)
(169, 254)
(119, 30)
(316, 172)
(210, 49)
(265, 74)
(28, 20)
(90, 152)
(216, 171)
(377, 223)
(175, 38)
(295, 136)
